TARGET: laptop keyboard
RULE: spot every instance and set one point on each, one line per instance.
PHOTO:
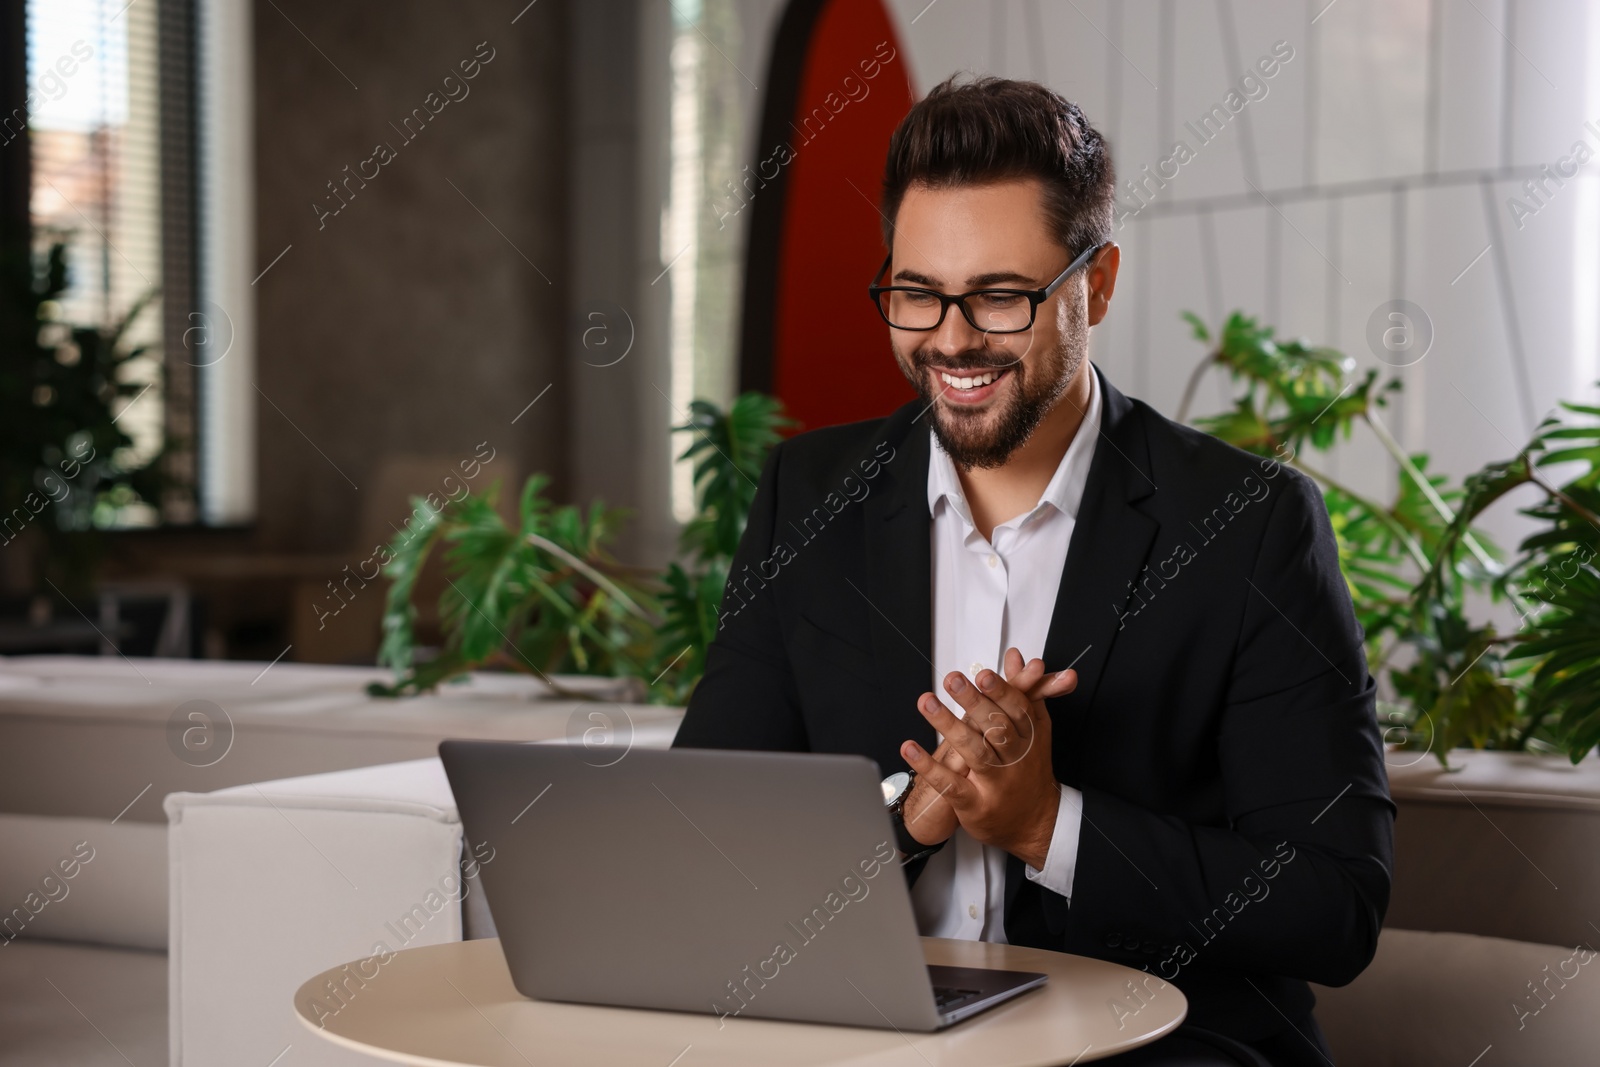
(946, 998)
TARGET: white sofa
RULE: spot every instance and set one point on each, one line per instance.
(1496, 883)
(88, 752)
(325, 866)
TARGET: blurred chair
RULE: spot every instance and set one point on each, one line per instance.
(157, 612)
(337, 612)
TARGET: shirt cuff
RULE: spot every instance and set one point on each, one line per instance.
(1061, 861)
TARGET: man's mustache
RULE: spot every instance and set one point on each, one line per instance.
(974, 362)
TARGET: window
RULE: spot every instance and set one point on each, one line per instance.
(700, 253)
(100, 140)
(149, 182)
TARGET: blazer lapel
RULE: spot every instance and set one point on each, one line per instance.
(1110, 544)
(898, 577)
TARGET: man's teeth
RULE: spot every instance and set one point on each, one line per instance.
(969, 383)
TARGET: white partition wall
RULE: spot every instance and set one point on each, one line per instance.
(1386, 158)
(228, 263)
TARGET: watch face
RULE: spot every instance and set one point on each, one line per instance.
(894, 785)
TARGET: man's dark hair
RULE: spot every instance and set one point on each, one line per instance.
(995, 129)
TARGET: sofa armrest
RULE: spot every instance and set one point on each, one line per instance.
(274, 882)
(1443, 998)
(270, 883)
(1516, 828)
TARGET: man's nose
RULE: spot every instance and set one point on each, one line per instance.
(955, 334)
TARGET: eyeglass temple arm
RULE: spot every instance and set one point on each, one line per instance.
(886, 261)
(1087, 255)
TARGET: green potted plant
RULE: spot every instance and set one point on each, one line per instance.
(546, 597)
(66, 467)
(1415, 565)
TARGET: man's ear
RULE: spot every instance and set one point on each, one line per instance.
(1102, 278)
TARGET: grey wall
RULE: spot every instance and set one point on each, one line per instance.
(621, 446)
(613, 339)
(413, 324)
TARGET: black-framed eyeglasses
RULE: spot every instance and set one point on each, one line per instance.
(911, 307)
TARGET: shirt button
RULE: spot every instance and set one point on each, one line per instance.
(994, 560)
(974, 669)
(972, 910)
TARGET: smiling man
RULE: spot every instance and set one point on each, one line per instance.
(1109, 662)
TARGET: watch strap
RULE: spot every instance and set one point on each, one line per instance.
(909, 847)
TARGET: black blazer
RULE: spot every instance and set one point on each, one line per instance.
(1237, 829)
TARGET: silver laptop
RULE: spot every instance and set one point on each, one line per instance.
(737, 884)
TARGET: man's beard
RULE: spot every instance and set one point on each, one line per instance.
(987, 438)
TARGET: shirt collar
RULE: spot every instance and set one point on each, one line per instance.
(1065, 489)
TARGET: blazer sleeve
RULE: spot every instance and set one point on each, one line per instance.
(747, 697)
(1297, 883)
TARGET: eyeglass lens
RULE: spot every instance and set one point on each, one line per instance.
(998, 311)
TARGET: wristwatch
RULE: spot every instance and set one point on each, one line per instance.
(896, 788)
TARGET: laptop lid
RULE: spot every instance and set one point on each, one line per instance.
(731, 883)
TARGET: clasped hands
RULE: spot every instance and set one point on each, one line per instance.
(992, 774)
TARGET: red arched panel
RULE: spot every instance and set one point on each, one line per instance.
(830, 357)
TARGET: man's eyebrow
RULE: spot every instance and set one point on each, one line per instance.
(999, 277)
(977, 281)
(915, 278)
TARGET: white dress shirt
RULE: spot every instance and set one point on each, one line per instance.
(990, 595)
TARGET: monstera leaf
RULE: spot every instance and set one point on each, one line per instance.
(1566, 641)
(545, 596)
(535, 597)
(728, 450)
(691, 603)
(1473, 711)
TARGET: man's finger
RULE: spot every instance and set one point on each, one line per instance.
(999, 715)
(949, 785)
(947, 754)
(1020, 675)
(966, 740)
(1020, 672)
(1054, 685)
(981, 712)
(1010, 729)
(1010, 699)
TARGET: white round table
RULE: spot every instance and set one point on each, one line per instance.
(454, 1004)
